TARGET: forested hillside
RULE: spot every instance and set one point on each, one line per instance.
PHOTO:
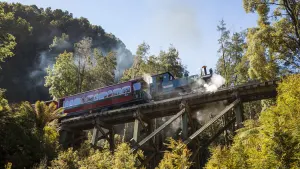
(39, 36)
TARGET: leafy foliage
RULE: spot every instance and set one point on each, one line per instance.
(81, 71)
(273, 46)
(232, 48)
(7, 40)
(26, 134)
(273, 140)
(165, 62)
(87, 157)
(30, 31)
(61, 78)
(177, 157)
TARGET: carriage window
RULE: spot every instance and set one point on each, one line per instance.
(71, 103)
(137, 86)
(90, 98)
(102, 95)
(77, 101)
(126, 89)
(66, 104)
(117, 92)
(110, 93)
(96, 97)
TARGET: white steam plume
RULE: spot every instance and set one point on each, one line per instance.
(147, 78)
(124, 60)
(216, 81)
(208, 111)
(212, 85)
(37, 75)
(170, 130)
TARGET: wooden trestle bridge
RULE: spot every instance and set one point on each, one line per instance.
(143, 116)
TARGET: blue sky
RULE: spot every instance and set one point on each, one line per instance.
(190, 25)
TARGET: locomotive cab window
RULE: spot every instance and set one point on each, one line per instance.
(159, 78)
(137, 86)
(171, 78)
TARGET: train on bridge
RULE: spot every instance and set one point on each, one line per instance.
(133, 92)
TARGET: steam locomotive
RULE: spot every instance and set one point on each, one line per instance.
(133, 92)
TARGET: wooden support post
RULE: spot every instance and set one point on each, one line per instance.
(95, 136)
(184, 120)
(184, 126)
(136, 130)
(150, 136)
(64, 138)
(112, 139)
(239, 115)
(142, 124)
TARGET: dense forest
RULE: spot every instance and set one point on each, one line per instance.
(47, 53)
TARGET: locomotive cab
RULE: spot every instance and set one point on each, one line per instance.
(166, 86)
(161, 83)
(204, 75)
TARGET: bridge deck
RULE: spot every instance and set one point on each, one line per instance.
(246, 92)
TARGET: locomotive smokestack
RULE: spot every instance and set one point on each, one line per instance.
(204, 70)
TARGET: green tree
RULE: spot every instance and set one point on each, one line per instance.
(170, 62)
(232, 49)
(66, 160)
(84, 70)
(61, 79)
(43, 114)
(7, 40)
(24, 141)
(177, 157)
(144, 63)
(104, 70)
(83, 61)
(273, 46)
(271, 142)
(87, 157)
(138, 67)
(239, 67)
(223, 64)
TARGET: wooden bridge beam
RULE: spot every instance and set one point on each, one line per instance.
(224, 111)
(158, 130)
(239, 114)
(109, 136)
(141, 122)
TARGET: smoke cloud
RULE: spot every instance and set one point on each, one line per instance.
(208, 111)
(216, 81)
(45, 59)
(147, 78)
(124, 60)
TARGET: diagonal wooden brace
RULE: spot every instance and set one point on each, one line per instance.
(158, 130)
(227, 108)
